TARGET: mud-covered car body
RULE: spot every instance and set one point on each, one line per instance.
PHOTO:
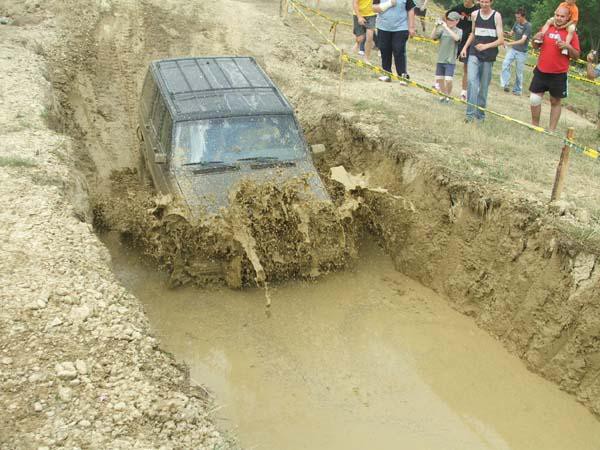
(207, 123)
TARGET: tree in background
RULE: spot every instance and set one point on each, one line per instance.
(538, 11)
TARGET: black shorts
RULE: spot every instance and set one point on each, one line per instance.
(420, 12)
(555, 83)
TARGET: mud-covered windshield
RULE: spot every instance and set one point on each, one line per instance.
(237, 138)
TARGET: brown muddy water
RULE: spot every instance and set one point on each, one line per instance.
(364, 359)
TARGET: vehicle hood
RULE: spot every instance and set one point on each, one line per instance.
(207, 189)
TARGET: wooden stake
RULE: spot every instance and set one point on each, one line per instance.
(561, 169)
(341, 73)
(335, 32)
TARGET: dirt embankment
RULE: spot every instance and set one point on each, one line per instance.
(499, 259)
(78, 365)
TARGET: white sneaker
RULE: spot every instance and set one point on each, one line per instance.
(385, 79)
(463, 95)
(360, 52)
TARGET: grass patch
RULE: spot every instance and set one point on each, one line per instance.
(16, 161)
(495, 152)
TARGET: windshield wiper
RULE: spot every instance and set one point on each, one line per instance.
(203, 163)
(260, 158)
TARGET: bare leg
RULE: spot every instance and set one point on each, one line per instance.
(555, 110)
(465, 77)
(536, 112)
(442, 84)
(369, 45)
(448, 85)
(356, 45)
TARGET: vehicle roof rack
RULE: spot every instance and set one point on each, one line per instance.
(214, 87)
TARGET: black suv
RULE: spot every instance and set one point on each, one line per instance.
(206, 123)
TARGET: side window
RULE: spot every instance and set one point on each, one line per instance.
(148, 94)
(158, 112)
(165, 133)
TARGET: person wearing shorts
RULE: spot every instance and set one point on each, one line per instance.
(449, 36)
(550, 73)
(364, 26)
(465, 9)
(421, 12)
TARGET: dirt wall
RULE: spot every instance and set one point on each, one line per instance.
(79, 367)
(501, 260)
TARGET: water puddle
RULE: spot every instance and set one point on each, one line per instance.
(366, 359)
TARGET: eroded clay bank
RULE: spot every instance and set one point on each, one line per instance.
(499, 260)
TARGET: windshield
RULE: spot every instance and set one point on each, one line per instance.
(237, 138)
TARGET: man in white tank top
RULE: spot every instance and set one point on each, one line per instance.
(481, 49)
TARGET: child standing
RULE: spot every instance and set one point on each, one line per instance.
(571, 24)
(449, 35)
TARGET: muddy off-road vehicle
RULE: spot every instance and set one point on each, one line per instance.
(207, 123)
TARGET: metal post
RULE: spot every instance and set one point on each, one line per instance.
(341, 73)
(561, 169)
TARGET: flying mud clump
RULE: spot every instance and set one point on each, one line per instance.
(269, 232)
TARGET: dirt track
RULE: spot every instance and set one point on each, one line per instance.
(78, 366)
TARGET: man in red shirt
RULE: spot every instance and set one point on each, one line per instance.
(550, 73)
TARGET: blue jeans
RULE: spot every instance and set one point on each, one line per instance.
(519, 58)
(478, 82)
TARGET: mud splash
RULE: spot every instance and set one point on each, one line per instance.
(269, 232)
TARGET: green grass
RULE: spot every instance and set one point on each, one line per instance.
(16, 161)
(496, 152)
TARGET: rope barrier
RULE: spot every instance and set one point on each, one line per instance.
(579, 148)
(532, 52)
(570, 75)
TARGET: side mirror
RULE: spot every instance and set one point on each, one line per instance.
(318, 148)
(160, 158)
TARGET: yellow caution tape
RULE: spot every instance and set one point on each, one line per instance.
(590, 152)
(336, 22)
(299, 5)
(569, 74)
(320, 14)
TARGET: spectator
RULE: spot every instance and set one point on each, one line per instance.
(364, 25)
(449, 35)
(571, 25)
(482, 50)
(465, 9)
(395, 23)
(517, 53)
(550, 73)
(421, 12)
(362, 44)
(593, 72)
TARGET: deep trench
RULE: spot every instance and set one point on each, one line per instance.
(495, 259)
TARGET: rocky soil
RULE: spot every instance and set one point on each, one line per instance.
(78, 365)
